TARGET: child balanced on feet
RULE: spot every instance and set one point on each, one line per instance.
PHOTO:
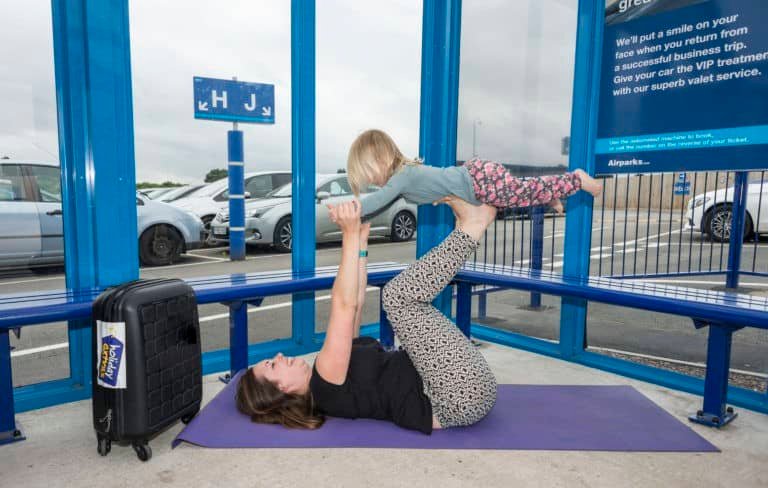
(375, 159)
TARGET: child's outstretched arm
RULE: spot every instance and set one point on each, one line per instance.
(375, 203)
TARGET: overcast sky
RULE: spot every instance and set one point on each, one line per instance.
(515, 83)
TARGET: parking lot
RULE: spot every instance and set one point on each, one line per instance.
(41, 352)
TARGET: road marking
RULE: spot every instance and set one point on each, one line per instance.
(34, 350)
(690, 282)
(3, 283)
(674, 361)
(208, 257)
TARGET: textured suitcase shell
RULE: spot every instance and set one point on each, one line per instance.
(163, 369)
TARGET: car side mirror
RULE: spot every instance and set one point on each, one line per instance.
(322, 195)
(247, 195)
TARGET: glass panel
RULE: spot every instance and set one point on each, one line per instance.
(515, 91)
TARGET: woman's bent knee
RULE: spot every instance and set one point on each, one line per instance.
(390, 298)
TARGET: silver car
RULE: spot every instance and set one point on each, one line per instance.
(32, 231)
(268, 221)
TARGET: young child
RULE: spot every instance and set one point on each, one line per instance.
(374, 159)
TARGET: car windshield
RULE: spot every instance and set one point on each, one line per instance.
(211, 189)
(281, 192)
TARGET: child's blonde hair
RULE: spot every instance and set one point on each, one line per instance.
(371, 153)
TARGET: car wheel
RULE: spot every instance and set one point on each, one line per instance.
(160, 245)
(403, 227)
(719, 221)
(283, 238)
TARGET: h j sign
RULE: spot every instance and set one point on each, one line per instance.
(234, 101)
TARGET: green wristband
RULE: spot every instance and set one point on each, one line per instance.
(363, 253)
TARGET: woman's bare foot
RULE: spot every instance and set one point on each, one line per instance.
(589, 184)
(471, 219)
(557, 205)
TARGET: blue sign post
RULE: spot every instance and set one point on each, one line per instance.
(235, 101)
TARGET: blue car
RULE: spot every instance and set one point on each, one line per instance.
(31, 229)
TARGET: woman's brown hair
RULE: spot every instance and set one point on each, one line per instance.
(264, 403)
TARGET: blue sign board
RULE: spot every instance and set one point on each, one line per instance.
(235, 101)
(683, 86)
(682, 188)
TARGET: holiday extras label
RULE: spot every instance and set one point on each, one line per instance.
(111, 360)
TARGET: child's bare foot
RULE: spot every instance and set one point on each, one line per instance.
(589, 184)
(471, 219)
(557, 205)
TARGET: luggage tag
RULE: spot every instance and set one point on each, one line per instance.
(110, 355)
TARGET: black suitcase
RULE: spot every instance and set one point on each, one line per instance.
(148, 371)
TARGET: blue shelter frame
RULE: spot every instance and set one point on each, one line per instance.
(93, 90)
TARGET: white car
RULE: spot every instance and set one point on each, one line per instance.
(207, 201)
(711, 213)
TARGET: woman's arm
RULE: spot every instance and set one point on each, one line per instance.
(333, 360)
(362, 277)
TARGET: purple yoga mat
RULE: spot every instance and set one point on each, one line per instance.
(578, 418)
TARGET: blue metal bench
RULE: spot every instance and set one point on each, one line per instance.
(723, 312)
(236, 291)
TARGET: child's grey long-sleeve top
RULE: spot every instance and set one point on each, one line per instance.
(420, 184)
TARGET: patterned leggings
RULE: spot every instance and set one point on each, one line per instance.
(456, 376)
(494, 185)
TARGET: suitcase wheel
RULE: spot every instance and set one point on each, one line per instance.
(105, 445)
(143, 451)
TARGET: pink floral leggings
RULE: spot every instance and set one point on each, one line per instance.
(495, 186)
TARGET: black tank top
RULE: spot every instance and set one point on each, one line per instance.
(379, 385)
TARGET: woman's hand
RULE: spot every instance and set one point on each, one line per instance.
(347, 216)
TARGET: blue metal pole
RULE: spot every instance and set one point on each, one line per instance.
(303, 162)
(439, 112)
(578, 221)
(464, 307)
(238, 337)
(95, 125)
(738, 216)
(715, 412)
(8, 431)
(482, 304)
(236, 179)
(537, 248)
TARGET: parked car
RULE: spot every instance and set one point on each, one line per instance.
(178, 192)
(210, 199)
(32, 232)
(268, 221)
(711, 213)
(155, 193)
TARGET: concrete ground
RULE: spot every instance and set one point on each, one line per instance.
(60, 450)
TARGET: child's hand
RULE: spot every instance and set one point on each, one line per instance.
(346, 215)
